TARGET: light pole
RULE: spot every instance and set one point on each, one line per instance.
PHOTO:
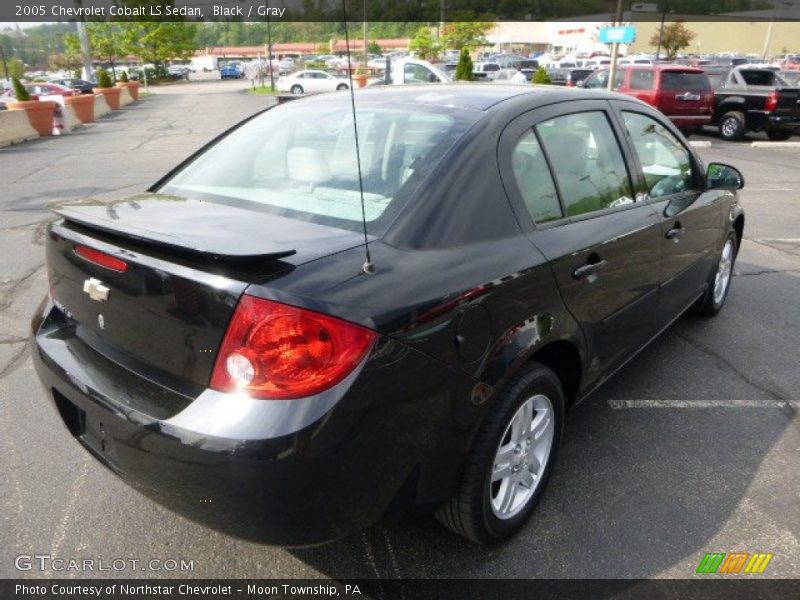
(661, 29)
(86, 52)
(612, 72)
(269, 46)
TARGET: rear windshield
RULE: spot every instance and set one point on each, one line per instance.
(677, 80)
(299, 160)
(763, 77)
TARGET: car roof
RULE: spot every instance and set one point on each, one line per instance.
(470, 96)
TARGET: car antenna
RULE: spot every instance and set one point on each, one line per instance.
(368, 267)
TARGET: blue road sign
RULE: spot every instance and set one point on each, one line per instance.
(618, 35)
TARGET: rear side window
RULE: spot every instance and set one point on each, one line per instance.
(642, 79)
(534, 181)
(587, 162)
(759, 77)
(667, 165)
(683, 81)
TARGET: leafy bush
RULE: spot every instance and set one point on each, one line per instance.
(542, 76)
(19, 91)
(464, 68)
(103, 79)
(316, 64)
(124, 77)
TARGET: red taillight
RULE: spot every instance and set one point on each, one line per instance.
(101, 258)
(772, 101)
(275, 351)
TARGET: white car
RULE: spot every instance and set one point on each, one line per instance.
(311, 82)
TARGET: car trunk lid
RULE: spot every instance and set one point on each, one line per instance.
(186, 263)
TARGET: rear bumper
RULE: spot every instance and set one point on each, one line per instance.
(376, 450)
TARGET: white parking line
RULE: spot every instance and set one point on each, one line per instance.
(779, 240)
(776, 144)
(768, 187)
(700, 144)
(623, 404)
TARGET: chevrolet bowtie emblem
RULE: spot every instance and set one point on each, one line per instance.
(96, 289)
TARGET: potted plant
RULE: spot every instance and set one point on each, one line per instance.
(133, 86)
(105, 87)
(83, 105)
(361, 76)
(40, 112)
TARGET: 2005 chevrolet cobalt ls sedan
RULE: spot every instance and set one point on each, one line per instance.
(218, 343)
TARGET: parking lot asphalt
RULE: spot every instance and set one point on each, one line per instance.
(692, 448)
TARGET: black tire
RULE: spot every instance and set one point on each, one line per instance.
(778, 135)
(731, 126)
(470, 512)
(708, 304)
(341, 86)
(296, 90)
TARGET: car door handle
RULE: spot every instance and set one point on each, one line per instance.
(589, 270)
(675, 233)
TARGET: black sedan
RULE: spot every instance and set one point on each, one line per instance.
(288, 341)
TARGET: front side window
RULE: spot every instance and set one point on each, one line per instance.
(534, 180)
(667, 165)
(587, 161)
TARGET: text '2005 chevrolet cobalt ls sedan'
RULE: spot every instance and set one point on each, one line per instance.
(220, 343)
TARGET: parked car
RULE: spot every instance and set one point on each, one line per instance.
(311, 82)
(219, 345)
(79, 85)
(684, 94)
(286, 65)
(792, 78)
(752, 99)
(178, 71)
(568, 77)
(231, 71)
(528, 67)
(484, 70)
(37, 89)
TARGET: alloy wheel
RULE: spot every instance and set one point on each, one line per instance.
(724, 269)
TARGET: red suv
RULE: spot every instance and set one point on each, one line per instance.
(683, 94)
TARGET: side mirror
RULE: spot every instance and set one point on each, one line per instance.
(723, 177)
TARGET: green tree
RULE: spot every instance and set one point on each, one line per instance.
(108, 41)
(676, 37)
(373, 47)
(464, 67)
(542, 76)
(103, 79)
(466, 35)
(16, 68)
(158, 42)
(424, 45)
(20, 92)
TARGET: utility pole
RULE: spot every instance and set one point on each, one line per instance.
(365, 34)
(612, 72)
(269, 48)
(5, 64)
(86, 52)
(661, 30)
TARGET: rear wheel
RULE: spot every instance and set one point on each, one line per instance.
(296, 90)
(507, 471)
(731, 126)
(778, 135)
(341, 86)
(720, 280)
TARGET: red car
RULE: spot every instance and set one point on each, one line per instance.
(45, 89)
(683, 94)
